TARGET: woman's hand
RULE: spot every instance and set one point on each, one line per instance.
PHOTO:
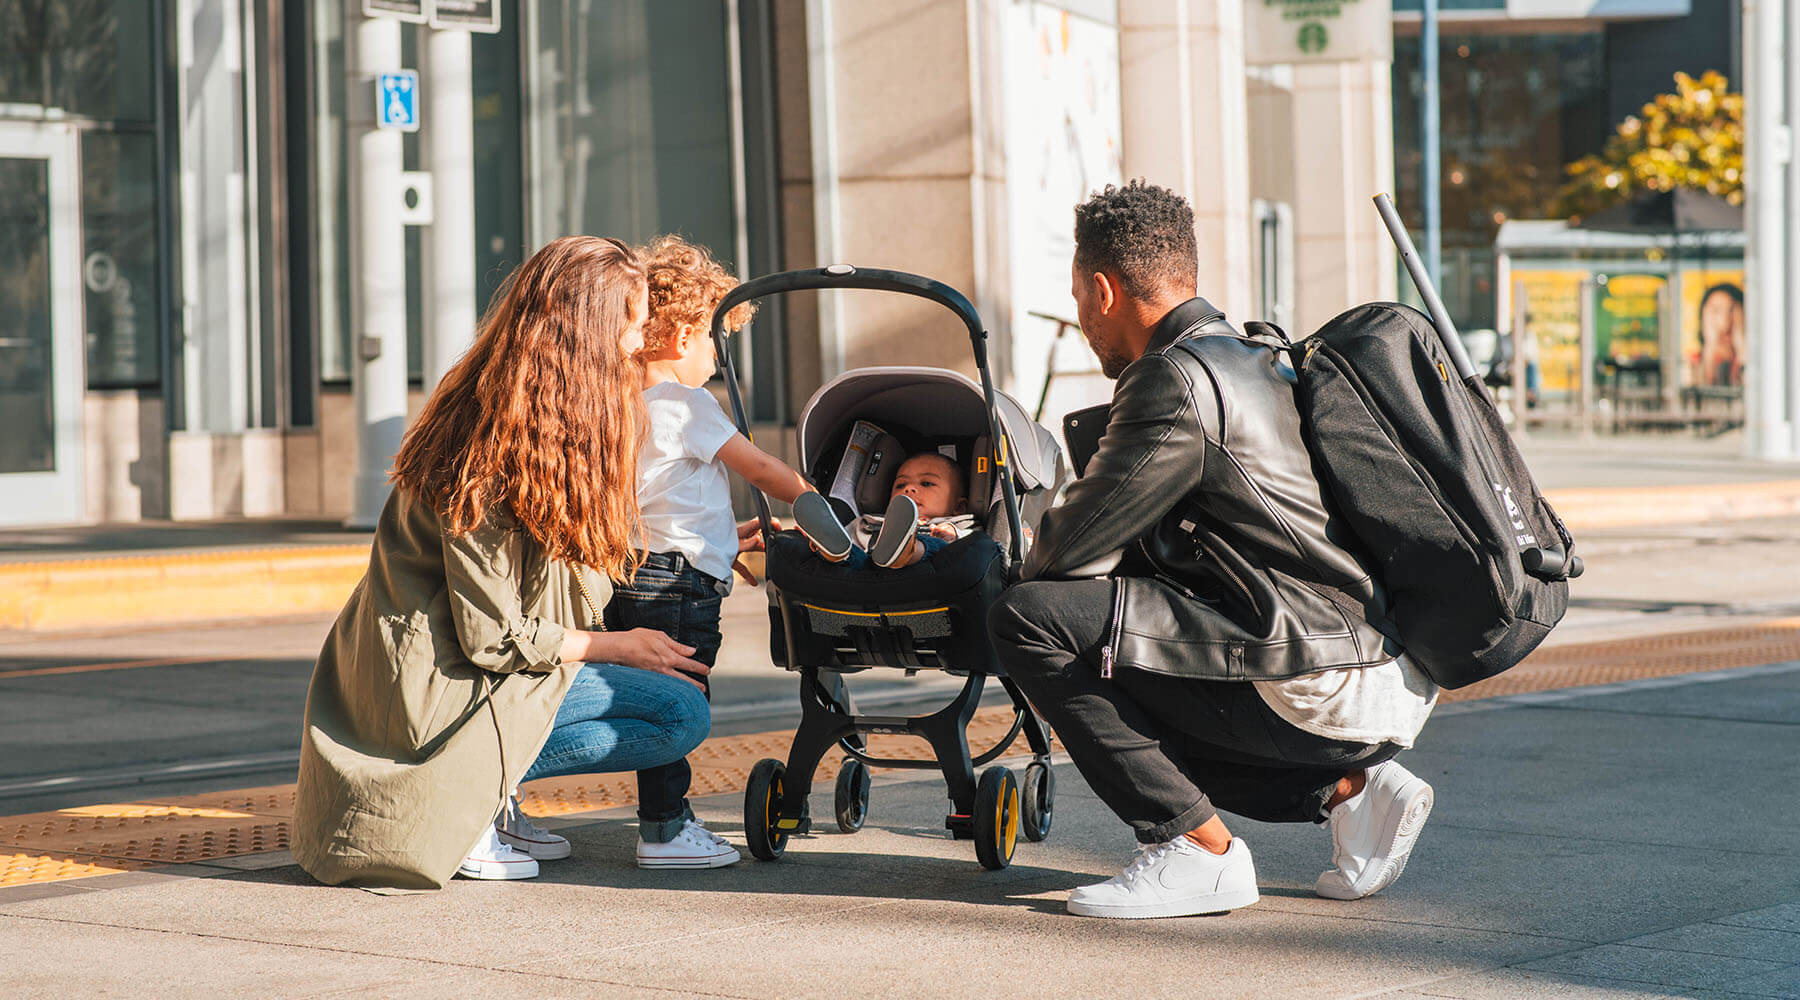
(646, 649)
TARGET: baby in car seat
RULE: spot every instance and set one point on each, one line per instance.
(928, 510)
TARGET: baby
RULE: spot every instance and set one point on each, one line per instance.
(927, 512)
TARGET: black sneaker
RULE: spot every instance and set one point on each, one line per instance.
(898, 526)
(819, 523)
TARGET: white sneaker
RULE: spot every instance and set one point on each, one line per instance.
(489, 858)
(1174, 879)
(694, 847)
(518, 832)
(1373, 832)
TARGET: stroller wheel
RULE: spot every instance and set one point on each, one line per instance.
(1037, 800)
(762, 809)
(996, 818)
(852, 795)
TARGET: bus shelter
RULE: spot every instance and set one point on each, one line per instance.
(1620, 331)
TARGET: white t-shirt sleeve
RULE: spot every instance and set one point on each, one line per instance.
(707, 428)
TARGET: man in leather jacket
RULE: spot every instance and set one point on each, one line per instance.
(1195, 622)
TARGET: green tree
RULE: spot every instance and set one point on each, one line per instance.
(1693, 138)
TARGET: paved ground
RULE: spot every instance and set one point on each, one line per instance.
(1632, 840)
(1569, 856)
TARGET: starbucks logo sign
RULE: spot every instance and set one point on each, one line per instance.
(1313, 37)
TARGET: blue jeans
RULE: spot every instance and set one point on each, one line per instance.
(618, 718)
(931, 546)
(668, 594)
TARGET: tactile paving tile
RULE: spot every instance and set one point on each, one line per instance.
(105, 839)
(25, 867)
(1584, 664)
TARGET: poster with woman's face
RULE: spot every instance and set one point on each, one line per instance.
(1712, 328)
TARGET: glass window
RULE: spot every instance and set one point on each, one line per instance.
(499, 156)
(87, 57)
(631, 123)
(29, 444)
(1514, 109)
(331, 196)
(118, 207)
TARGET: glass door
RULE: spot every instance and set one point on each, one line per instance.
(40, 326)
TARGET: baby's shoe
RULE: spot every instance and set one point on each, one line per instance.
(819, 523)
(899, 527)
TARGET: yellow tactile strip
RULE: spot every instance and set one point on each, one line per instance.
(107, 839)
(183, 586)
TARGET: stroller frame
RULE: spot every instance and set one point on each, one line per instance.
(990, 811)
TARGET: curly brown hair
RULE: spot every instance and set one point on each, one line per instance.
(686, 285)
(541, 418)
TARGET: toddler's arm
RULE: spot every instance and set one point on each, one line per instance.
(763, 470)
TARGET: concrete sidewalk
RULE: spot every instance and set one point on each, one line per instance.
(1570, 855)
(165, 572)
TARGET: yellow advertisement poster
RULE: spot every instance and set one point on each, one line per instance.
(1553, 322)
(1712, 327)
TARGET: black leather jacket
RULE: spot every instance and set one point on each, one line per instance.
(1201, 502)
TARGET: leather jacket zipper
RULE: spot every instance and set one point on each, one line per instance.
(1116, 626)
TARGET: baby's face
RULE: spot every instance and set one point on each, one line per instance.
(932, 481)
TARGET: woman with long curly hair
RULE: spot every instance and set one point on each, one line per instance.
(476, 637)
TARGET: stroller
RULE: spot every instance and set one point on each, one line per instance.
(827, 620)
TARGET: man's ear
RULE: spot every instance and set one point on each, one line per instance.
(1106, 291)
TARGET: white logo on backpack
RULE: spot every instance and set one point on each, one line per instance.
(1524, 538)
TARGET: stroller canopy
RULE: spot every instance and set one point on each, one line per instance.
(930, 401)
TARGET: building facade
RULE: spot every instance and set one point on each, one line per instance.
(179, 214)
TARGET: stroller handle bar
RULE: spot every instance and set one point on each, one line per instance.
(877, 279)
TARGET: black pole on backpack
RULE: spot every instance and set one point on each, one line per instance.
(1434, 306)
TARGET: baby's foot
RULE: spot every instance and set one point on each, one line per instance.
(893, 545)
(818, 522)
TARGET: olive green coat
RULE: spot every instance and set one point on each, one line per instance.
(436, 688)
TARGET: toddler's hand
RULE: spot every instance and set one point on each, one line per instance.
(944, 531)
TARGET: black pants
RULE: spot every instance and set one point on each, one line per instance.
(1164, 753)
(669, 595)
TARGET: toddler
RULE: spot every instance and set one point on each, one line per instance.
(690, 541)
(928, 511)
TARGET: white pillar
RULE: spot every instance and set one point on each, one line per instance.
(1185, 127)
(1769, 432)
(1790, 329)
(449, 127)
(377, 266)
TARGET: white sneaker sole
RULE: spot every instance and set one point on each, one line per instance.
(713, 861)
(497, 871)
(1414, 801)
(1190, 906)
(539, 850)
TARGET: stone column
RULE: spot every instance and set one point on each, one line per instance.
(1185, 127)
(1343, 147)
(903, 177)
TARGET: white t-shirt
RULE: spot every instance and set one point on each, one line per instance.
(684, 491)
(1389, 702)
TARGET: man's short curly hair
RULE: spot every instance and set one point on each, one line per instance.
(686, 285)
(1142, 233)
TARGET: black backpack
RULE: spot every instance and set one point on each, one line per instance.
(1474, 561)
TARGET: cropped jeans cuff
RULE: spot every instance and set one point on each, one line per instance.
(661, 831)
(1188, 819)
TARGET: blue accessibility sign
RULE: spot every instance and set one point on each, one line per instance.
(397, 100)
